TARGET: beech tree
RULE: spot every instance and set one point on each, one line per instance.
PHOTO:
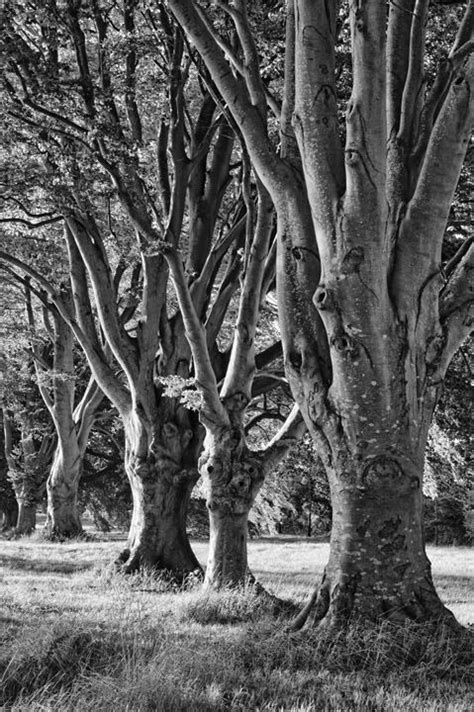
(233, 472)
(81, 127)
(47, 342)
(83, 84)
(72, 418)
(370, 316)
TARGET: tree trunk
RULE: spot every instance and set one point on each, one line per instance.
(227, 559)
(26, 521)
(62, 518)
(233, 475)
(10, 515)
(161, 476)
(377, 563)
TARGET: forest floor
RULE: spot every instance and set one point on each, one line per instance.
(74, 635)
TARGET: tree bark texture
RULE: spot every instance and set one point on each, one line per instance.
(62, 514)
(233, 475)
(161, 465)
(377, 565)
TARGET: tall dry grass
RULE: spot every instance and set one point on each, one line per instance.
(75, 636)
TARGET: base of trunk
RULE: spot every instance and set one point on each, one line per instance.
(340, 605)
(26, 522)
(59, 529)
(62, 517)
(377, 567)
(158, 540)
(132, 561)
(227, 559)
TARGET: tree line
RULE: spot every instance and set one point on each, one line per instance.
(174, 170)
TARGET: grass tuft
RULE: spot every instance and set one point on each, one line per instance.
(227, 606)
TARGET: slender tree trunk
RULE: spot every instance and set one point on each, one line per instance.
(161, 475)
(8, 504)
(26, 521)
(62, 518)
(233, 475)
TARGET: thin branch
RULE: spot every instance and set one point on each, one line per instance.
(291, 431)
(31, 225)
(414, 79)
(456, 310)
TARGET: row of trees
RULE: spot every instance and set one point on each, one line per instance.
(175, 179)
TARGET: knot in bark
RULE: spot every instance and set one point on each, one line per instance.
(316, 402)
(382, 469)
(295, 360)
(241, 483)
(352, 157)
(170, 431)
(344, 345)
(323, 298)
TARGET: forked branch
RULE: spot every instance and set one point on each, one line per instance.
(212, 411)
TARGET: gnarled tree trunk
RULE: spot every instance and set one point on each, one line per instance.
(377, 563)
(233, 476)
(161, 464)
(62, 515)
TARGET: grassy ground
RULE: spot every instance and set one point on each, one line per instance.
(75, 636)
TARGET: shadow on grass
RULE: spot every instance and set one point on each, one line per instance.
(47, 566)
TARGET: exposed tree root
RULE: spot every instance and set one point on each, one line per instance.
(339, 608)
(278, 606)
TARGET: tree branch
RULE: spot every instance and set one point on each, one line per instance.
(409, 109)
(315, 117)
(233, 89)
(213, 412)
(398, 39)
(290, 432)
(429, 207)
(366, 138)
(131, 63)
(457, 308)
(105, 297)
(242, 360)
